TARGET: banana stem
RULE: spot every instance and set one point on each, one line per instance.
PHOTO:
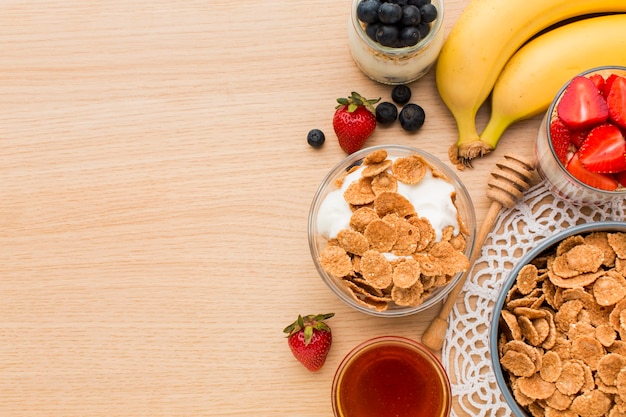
(469, 145)
(494, 130)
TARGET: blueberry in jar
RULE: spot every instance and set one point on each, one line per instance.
(412, 117)
(389, 13)
(367, 11)
(411, 15)
(429, 13)
(409, 36)
(387, 35)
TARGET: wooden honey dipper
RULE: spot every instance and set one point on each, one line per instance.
(505, 187)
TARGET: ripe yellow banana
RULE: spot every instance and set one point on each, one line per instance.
(480, 43)
(536, 72)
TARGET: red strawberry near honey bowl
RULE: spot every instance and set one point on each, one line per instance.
(310, 338)
(581, 145)
(354, 121)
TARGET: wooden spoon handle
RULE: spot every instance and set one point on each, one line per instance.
(509, 180)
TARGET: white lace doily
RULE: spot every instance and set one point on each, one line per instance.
(465, 351)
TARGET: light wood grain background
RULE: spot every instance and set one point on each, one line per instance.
(154, 189)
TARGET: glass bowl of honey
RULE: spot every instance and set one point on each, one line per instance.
(391, 376)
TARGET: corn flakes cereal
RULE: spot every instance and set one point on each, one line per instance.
(375, 157)
(609, 289)
(406, 273)
(389, 255)
(601, 241)
(360, 192)
(535, 387)
(558, 402)
(411, 296)
(362, 217)
(335, 261)
(570, 305)
(376, 269)
(609, 366)
(594, 403)
(527, 279)
(384, 182)
(388, 202)
(517, 363)
(374, 169)
(551, 366)
(617, 241)
(409, 169)
(381, 235)
(571, 379)
(352, 241)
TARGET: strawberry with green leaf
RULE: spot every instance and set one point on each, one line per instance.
(354, 121)
(309, 339)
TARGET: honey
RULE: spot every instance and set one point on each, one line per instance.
(391, 377)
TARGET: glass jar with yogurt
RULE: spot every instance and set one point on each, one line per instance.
(395, 65)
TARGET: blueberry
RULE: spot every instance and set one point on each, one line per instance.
(411, 15)
(409, 36)
(367, 11)
(386, 112)
(424, 29)
(401, 94)
(399, 2)
(387, 35)
(371, 29)
(412, 117)
(315, 138)
(418, 3)
(429, 13)
(389, 13)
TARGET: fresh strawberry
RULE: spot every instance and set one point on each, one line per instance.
(577, 137)
(616, 100)
(598, 80)
(582, 105)
(560, 136)
(354, 121)
(604, 150)
(621, 178)
(309, 339)
(592, 179)
(608, 83)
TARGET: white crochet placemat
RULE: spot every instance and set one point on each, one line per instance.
(465, 352)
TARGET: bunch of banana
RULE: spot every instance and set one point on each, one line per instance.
(487, 34)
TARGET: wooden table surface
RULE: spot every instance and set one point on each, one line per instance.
(155, 184)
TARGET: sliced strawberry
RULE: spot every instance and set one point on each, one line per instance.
(621, 178)
(598, 80)
(560, 137)
(604, 150)
(616, 100)
(582, 105)
(593, 179)
(577, 137)
(608, 83)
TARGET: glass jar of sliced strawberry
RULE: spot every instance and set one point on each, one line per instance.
(581, 145)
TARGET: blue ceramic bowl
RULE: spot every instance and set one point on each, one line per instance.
(494, 330)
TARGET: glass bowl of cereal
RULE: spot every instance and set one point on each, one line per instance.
(391, 229)
(558, 335)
